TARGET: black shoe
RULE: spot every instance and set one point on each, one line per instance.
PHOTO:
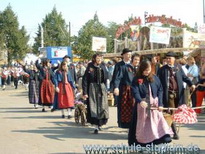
(43, 110)
(69, 116)
(176, 137)
(96, 131)
(99, 128)
(63, 116)
(52, 110)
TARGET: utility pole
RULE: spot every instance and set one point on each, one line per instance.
(69, 34)
(42, 39)
(203, 12)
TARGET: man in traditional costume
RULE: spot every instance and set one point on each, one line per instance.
(121, 82)
(172, 77)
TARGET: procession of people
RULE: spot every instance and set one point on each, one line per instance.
(138, 83)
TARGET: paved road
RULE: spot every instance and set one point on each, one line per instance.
(25, 130)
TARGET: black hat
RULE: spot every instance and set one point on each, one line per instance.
(171, 54)
(125, 50)
(66, 56)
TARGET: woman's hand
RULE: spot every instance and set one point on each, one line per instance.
(85, 97)
(143, 104)
(57, 90)
(160, 108)
(193, 87)
(116, 91)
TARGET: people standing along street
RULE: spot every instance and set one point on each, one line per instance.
(148, 126)
(182, 62)
(95, 91)
(193, 74)
(172, 77)
(46, 86)
(64, 85)
(121, 82)
(80, 73)
(200, 92)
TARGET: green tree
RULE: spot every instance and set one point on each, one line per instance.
(54, 31)
(93, 28)
(15, 40)
(111, 29)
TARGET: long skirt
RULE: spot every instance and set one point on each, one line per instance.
(97, 105)
(46, 93)
(65, 96)
(125, 106)
(148, 126)
(33, 92)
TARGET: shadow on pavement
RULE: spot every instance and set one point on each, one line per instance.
(72, 130)
(35, 117)
(200, 125)
(16, 108)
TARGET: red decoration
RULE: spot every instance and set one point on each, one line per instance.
(140, 81)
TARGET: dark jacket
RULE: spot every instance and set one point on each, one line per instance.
(114, 83)
(139, 89)
(42, 73)
(59, 78)
(90, 76)
(163, 75)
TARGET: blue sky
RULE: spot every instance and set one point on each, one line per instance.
(31, 12)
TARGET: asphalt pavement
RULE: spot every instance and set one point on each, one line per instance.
(25, 130)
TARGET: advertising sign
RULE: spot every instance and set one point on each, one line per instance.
(99, 44)
(58, 52)
(193, 40)
(160, 35)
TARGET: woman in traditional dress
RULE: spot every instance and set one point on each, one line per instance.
(46, 85)
(64, 97)
(94, 88)
(16, 73)
(4, 77)
(148, 126)
(33, 87)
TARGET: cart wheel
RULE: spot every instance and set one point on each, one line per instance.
(83, 118)
(77, 117)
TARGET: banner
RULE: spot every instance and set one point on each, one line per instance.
(193, 40)
(160, 35)
(99, 44)
(59, 52)
(135, 32)
(201, 29)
